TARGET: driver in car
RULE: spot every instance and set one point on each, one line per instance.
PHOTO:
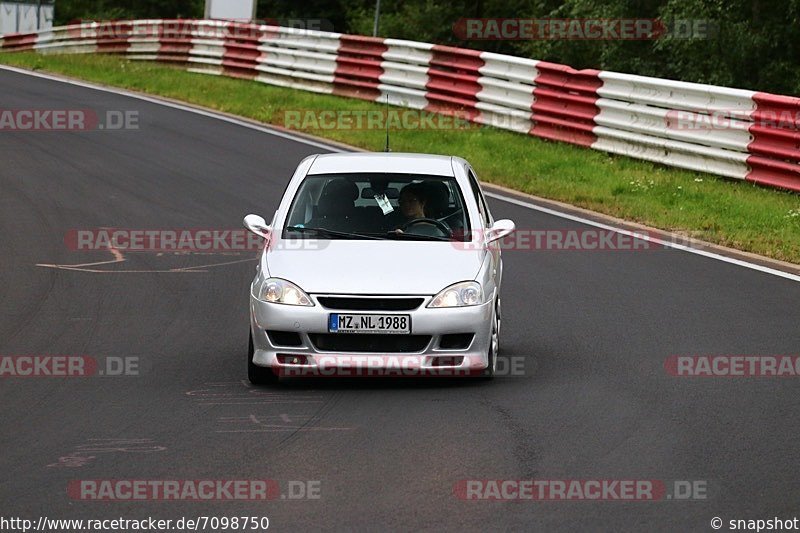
(412, 206)
(413, 200)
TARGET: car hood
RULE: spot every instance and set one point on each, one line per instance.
(375, 267)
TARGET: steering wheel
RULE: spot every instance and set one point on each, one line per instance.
(441, 226)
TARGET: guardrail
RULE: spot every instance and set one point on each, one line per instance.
(734, 133)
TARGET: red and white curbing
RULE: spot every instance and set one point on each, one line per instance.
(618, 113)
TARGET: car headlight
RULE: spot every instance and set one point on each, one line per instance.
(280, 291)
(459, 295)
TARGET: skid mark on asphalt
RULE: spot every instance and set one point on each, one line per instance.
(184, 270)
(273, 423)
(314, 419)
(119, 258)
(84, 454)
(524, 442)
(234, 393)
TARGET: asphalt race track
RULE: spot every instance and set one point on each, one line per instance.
(592, 330)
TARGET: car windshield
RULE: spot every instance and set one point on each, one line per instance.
(378, 206)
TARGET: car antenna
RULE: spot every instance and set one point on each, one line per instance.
(386, 118)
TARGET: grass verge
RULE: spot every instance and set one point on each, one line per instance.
(728, 212)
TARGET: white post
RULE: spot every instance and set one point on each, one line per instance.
(377, 18)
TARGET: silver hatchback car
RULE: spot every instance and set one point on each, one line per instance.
(381, 264)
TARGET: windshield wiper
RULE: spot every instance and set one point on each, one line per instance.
(333, 233)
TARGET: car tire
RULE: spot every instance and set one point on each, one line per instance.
(494, 343)
(258, 375)
(499, 316)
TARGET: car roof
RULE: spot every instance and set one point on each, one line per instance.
(396, 163)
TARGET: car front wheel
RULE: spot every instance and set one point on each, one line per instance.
(494, 344)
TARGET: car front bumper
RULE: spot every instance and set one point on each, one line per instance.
(427, 357)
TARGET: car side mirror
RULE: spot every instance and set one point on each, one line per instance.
(257, 225)
(500, 229)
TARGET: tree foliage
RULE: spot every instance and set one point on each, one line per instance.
(70, 10)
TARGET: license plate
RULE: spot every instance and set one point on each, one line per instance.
(349, 323)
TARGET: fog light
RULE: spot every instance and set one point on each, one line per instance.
(285, 359)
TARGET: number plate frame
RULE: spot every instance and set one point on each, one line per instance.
(354, 321)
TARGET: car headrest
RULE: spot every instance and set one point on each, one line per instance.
(338, 197)
(438, 195)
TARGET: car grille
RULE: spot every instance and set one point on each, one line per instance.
(362, 342)
(370, 304)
